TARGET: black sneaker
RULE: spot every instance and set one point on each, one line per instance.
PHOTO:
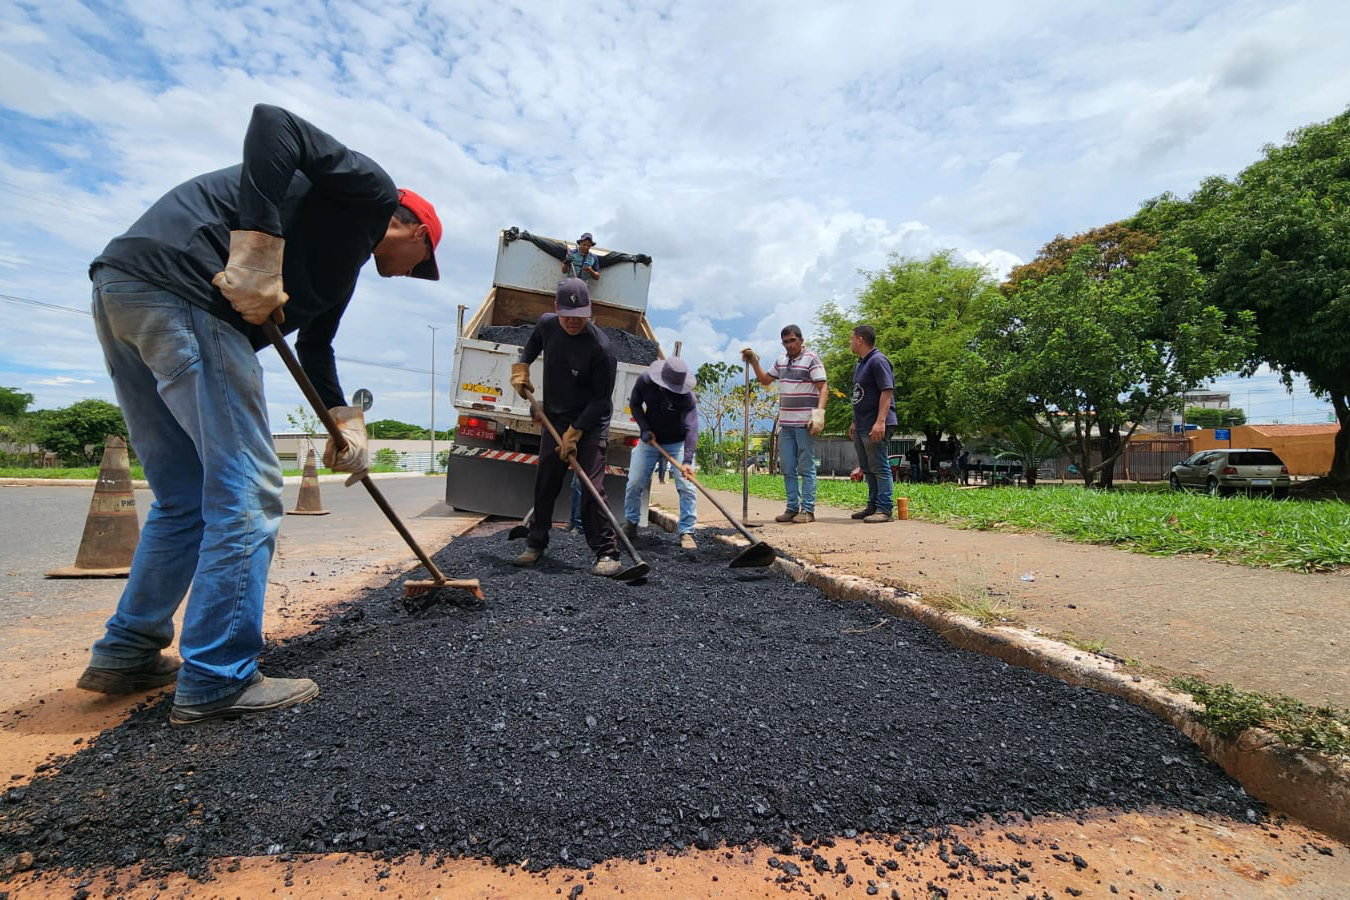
(157, 672)
(863, 513)
(261, 694)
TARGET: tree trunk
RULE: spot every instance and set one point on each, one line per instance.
(1110, 449)
(1340, 456)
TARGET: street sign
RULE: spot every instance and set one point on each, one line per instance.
(1223, 434)
(363, 398)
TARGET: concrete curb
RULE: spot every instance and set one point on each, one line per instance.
(1309, 786)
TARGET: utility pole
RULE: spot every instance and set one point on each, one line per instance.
(434, 329)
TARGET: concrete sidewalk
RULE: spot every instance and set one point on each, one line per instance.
(1261, 630)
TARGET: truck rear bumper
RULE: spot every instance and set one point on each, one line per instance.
(501, 483)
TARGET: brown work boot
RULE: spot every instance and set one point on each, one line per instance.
(156, 672)
(606, 566)
(804, 518)
(687, 542)
(786, 515)
(261, 694)
(529, 556)
(880, 515)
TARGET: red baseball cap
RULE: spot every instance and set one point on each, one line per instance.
(426, 214)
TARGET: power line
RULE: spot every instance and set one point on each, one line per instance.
(84, 312)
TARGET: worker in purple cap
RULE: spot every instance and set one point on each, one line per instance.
(579, 371)
(177, 302)
(581, 262)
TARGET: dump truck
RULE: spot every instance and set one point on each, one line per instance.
(491, 466)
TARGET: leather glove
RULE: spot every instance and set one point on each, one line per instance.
(817, 423)
(749, 356)
(520, 378)
(351, 422)
(251, 280)
(568, 448)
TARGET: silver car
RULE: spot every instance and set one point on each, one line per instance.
(1225, 471)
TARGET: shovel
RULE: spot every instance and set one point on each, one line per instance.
(519, 531)
(639, 569)
(758, 554)
(412, 590)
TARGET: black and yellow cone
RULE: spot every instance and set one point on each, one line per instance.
(308, 503)
(111, 531)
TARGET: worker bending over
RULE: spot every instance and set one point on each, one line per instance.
(662, 404)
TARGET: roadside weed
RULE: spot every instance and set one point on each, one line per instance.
(1228, 712)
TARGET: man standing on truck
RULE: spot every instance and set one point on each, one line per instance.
(579, 372)
(662, 403)
(581, 262)
(802, 394)
(177, 300)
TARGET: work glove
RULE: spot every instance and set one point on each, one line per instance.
(351, 422)
(750, 356)
(520, 378)
(817, 423)
(252, 277)
(568, 448)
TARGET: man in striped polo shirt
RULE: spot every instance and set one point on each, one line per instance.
(802, 392)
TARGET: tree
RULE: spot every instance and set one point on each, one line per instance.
(394, 430)
(1207, 417)
(1022, 442)
(1115, 247)
(1087, 353)
(13, 403)
(1275, 241)
(926, 313)
(720, 392)
(76, 433)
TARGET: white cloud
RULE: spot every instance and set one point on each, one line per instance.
(762, 153)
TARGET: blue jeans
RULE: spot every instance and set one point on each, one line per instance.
(640, 467)
(191, 391)
(876, 467)
(797, 462)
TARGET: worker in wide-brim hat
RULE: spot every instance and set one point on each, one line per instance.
(663, 406)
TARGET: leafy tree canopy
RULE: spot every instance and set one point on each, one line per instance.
(926, 313)
(1275, 241)
(77, 433)
(13, 403)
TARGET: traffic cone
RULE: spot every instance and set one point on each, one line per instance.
(308, 503)
(111, 531)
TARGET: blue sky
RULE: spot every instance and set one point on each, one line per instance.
(763, 153)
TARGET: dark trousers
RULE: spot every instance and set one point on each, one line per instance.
(548, 481)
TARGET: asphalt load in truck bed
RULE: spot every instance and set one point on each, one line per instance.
(575, 719)
(628, 348)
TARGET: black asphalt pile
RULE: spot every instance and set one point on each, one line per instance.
(629, 348)
(576, 719)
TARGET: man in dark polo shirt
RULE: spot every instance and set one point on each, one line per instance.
(873, 421)
(177, 301)
(579, 372)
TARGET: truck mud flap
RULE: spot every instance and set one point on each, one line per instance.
(501, 483)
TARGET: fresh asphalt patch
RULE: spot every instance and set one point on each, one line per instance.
(575, 719)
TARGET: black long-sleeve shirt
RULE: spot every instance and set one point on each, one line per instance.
(579, 373)
(669, 416)
(331, 204)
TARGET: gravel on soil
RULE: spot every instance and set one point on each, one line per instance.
(576, 719)
(628, 348)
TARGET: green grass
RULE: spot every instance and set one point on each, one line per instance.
(1253, 531)
(1228, 712)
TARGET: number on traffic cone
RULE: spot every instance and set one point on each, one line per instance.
(308, 503)
(111, 530)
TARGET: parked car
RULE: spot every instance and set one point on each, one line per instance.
(1225, 471)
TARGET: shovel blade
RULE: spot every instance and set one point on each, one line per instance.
(756, 556)
(633, 573)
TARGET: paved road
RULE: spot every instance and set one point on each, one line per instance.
(41, 527)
